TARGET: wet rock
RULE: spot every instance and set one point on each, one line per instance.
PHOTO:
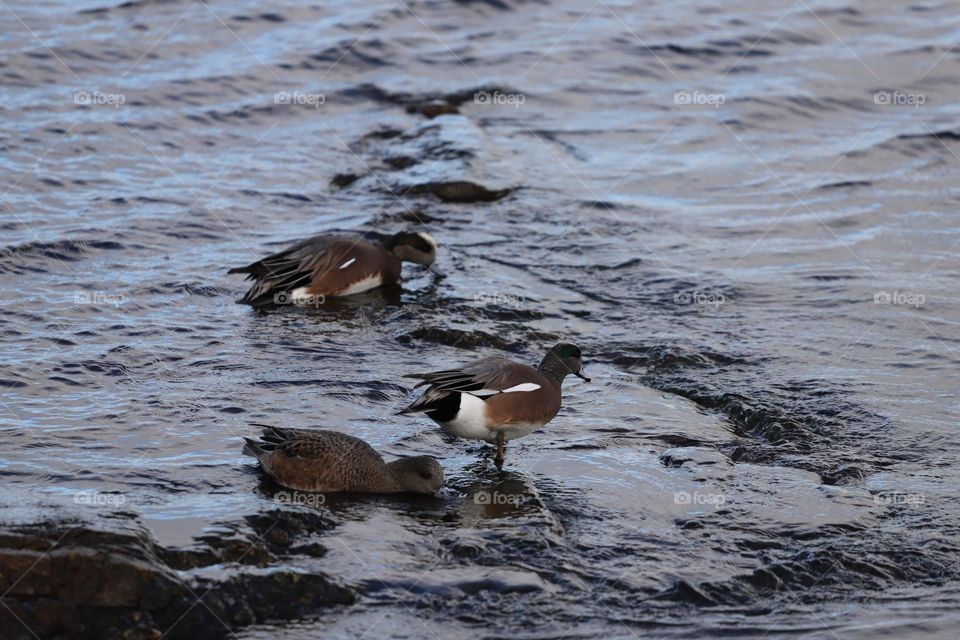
(432, 109)
(74, 581)
(400, 162)
(457, 583)
(458, 191)
(450, 158)
(247, 598)
(417, 216)
(462, 339)
(385, 133)
(683, 591)
(693, 456)
(342, 180)
(467, 549)
(806, 572)
(454, 99)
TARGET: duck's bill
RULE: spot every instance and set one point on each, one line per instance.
(580, 375)
(436, 272)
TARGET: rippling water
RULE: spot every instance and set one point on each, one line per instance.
(744, 213)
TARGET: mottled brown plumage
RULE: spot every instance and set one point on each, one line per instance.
(333, 462)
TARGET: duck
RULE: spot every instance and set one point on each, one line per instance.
(314, 460)
(330, 265)
(495, 399)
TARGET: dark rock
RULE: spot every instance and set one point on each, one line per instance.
(77, 582)
(342, 180)
(432, 109)
(458, 191)
(384, 134)
(417, 216)
(458, 338)
(400, 162)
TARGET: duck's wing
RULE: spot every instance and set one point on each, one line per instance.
(294, 267)
(313, 443)
(482, 378)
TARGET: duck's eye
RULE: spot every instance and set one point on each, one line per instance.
(425, 475)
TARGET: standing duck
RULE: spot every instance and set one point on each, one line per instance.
(495, 399)
(330, 266)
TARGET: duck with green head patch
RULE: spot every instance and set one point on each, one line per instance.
(495, 399)
(327, 266)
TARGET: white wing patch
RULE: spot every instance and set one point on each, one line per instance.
(525, 386)
(484, 393)
(348, 263)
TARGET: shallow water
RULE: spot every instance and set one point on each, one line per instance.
(764, 284)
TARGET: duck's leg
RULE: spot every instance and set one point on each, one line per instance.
(500, 451)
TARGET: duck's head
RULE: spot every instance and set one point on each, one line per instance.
(418, 474)
(563, 359)
(413, 246)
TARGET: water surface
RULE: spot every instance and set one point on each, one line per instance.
(740, 211)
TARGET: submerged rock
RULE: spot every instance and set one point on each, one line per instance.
(432, 108)
(342, 180)
(456, 337)
(458, 191)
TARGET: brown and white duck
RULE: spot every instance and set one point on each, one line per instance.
(328, 265)
(495, 399)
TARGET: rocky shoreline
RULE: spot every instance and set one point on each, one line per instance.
(76, 580)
